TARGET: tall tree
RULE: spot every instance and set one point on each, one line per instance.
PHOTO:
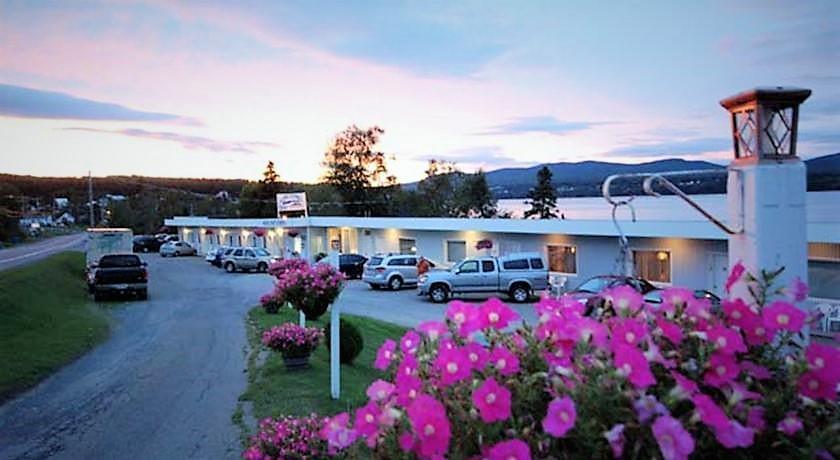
(357, 170)
(543, 197)
(270, 175)
(474, 197)
(437, 189)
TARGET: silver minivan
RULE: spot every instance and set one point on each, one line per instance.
(247, 259)
(391, 270)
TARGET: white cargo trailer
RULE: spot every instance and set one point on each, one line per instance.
(103, 241)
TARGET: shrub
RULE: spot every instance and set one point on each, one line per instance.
(647, 381)
(351, 341)
(292, 340)
(271, 303)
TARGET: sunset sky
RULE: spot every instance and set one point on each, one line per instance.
(166, 88)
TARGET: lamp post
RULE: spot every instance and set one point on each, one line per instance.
(766, 187)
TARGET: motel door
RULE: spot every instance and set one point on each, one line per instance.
(719, 272)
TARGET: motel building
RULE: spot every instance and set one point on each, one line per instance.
(670, 243)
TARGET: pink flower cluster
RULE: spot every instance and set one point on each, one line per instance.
(304, 285)
(292, 340)
(288, 438)
(694, 378)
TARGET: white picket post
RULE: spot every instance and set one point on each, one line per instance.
(301, 319)
(335, 365)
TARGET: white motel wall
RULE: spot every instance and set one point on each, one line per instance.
(670, 246)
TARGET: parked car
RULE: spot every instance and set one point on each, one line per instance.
(352, 265)
(119, 274)
(177, 248)
(210, 255)
(247, 259)
(655, 297)
(517, 275)
(391, 270)
(221, 253)
(588, 292)
(146, 243)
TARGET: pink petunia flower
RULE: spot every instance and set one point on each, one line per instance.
(781, 315)
(722, 370)
(408, 387)
(824, 361)
(632, 363)
(453, 366)
(465, 317)
(755, 371)
(699, 312)
(406, 442)
(379, 390)
(615, 437)
(409, 342)
(408, 366)
(647, 407)
(710, 413)
(736, 435)
(336, 432)
(628, 332)
(677, 296)
(755, 331)
(814, 387)
(513, 449)
(593, 331)
(385, 354)
(790, 425)
(737, 312)
(755, 419)
(495, 314)
(504, 361)
(670, 331)
(430, 425)
(685, 386)
(797, 291)
(492, 401)
(735, 275)
(675, 443)
(477, 354)
(432, 329)
(367, 421)
(624, 299)
(560, 418)
(726, 340)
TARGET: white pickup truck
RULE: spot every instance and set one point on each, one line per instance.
(517, 275)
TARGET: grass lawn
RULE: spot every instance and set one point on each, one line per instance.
(273, 391)
(46, 320)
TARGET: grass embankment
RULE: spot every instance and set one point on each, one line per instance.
(273, 391)
(46, 320)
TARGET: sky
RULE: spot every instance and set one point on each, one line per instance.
(217, 89)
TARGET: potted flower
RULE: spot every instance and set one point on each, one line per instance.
(295, 343)
(309, 288)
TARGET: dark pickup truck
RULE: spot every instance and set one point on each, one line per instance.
(119, 274)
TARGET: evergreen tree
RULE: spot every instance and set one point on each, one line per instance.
(270, 175)
(543, 197)
(437, 190)
(474, 197)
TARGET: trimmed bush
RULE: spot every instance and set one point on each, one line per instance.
(351, 341)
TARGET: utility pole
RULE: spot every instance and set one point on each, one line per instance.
(90, 198)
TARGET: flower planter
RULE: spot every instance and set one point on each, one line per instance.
(315, 310)
(296, 363)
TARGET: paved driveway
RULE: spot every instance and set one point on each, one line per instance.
(165, 384)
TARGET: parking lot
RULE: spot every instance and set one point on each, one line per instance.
(175, 363)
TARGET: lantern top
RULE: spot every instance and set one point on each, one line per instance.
(778, 96)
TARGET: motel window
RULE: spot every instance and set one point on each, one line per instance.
(654, 266)
(408, 246)
(562, 259)
(456, 251)
(828, 252)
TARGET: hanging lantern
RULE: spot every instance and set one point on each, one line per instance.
(209, 231)
(260, 232)
(484, 244)
(293, 232)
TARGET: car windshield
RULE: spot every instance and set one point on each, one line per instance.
(262, 252)
(593, 285)
(374, 261)
(119, 261)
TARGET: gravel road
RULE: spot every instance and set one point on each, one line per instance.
(165, 384)
(26, 253)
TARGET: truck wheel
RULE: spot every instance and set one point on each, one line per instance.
(262, 267)
(520, 292)
(439, 293)
(395, 283)
(229, 267)
(375, 287)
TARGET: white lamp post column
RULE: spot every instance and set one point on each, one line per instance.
(766, 188)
